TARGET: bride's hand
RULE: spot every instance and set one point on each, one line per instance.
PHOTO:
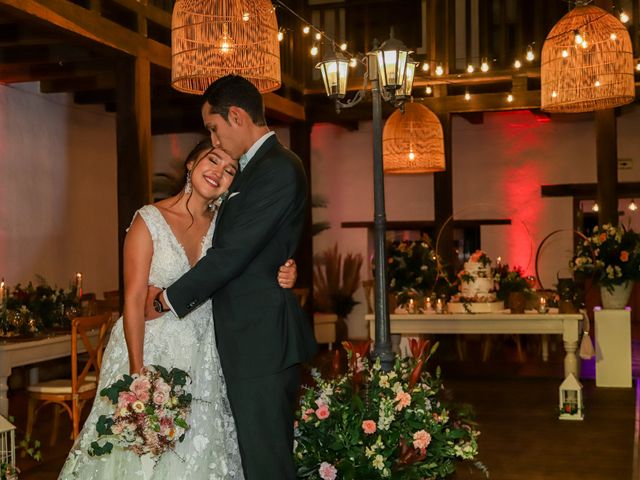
(288, 274)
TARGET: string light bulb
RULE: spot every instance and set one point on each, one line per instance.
(470, 68)
(280, 35)
(624, 18)
(632, 206)
(467, 96)
(638, 66)
(425, 67)
(595, 207)
(314, 51)
(245, 17)
(306, 29)
(530, 55)
(517, 63)
(343, 46)
(353, 63)
(510, 98)
(428, 90)
(439, 70)
(318, 36)
(485, 66)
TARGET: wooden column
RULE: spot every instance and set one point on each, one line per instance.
(300, 141)
(607, 158)
(133, 132)
(443, 196)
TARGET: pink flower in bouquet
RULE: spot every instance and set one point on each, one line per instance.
(421, 440)
(306, 415)
(141, 386)
(327, 471)
(369, 427)
(322, 412)
(160, 397)
(161, 386)
(125, 399)
(403, 399)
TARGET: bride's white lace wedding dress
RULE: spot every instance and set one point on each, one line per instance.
(210, 449)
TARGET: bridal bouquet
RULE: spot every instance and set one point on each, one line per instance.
(150, 414)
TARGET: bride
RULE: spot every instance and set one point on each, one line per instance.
(165, 239)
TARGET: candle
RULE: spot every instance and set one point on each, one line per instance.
(79, 284)
(412, 306)
(542, 306)
(2, 293)
(499, 259)
(427, 305)
(439, 305)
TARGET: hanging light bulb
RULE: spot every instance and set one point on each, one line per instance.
(467, 96)
(412, 156)
(245, 17)
(632, 206)
(584, 44)
(597, 83)
(428, 90)
(517, 63)
(624, 18)
(510, 98)
(565, 53)
(613, 37)
(638, 66)
(554, 94)
(485, 65)
(530, 55)
(318, 36)
(439, 70)
(306, 29)
(343, 46)
(578, 37)
(353, 63)
(225, 43)
(280, 35)
(425, 67)
(470, 68)
(314, 51)
(595, 207)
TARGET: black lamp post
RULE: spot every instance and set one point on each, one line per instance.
(391, 77)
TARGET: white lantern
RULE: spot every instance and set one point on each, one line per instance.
(334, 69)
(404, 92)
(392, 61)
(571, 406)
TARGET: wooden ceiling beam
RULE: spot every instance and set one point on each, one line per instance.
(16, 73)
(43, 53)
(105, 81)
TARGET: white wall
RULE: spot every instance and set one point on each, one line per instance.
(498, 168)
(58, 211)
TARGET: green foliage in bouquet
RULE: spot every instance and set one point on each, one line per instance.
(335, 281)
(371, 424)
(413, 267)
(510, 281)
(611, 256)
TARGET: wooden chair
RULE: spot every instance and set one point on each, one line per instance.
(72, 393)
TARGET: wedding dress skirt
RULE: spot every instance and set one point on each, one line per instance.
(210, 448)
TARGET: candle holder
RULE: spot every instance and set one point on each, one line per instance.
(440, 305)
(427, 306)
(542, 305)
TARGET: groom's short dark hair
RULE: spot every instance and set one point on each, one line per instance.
(235, 91)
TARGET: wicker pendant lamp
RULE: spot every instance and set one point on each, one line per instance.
(214, 38)
(587, 63)
(413, 142)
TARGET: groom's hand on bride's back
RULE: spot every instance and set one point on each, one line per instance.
(288, 274)
(150, 313)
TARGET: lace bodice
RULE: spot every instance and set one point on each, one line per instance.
(169, 261)
(210, 449)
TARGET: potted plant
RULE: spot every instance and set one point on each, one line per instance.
(512, 287)
(373, 424)
(610, 257)
(570, 295)
(335, 281)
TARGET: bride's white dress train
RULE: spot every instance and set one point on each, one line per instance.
(210, 448)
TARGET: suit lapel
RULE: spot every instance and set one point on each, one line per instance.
(241, 177)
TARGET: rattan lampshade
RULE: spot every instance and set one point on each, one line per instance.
(214, 38)
(413, 142)
(587, 63)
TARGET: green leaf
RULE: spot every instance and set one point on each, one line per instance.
(104, 424)
(97, 450)
(181, 423)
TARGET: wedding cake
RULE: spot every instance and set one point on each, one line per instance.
(476, 287)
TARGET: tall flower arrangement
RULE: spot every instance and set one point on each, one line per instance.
(611, 256)
(374, 424)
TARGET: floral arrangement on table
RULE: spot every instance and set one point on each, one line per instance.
(150, 412)
(374, 424)
(611, 256)
(32, 308)
(510, 281)
(414, 269)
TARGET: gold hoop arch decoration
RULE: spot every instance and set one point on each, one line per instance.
(475, 206)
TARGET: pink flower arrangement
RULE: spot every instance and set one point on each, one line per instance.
(421, 440)
(322, 412)
(369, 427)
(327, 471)
(150, 412)
(403, 400)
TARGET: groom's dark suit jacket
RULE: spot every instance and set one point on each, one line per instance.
(260, 327)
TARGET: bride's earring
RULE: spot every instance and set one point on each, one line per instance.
(187, 185)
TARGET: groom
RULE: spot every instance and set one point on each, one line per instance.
(261, 331)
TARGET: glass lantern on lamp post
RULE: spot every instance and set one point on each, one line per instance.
(390, 72)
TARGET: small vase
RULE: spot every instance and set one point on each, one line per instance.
(566, 306)
(618, 297)
(516, 302)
